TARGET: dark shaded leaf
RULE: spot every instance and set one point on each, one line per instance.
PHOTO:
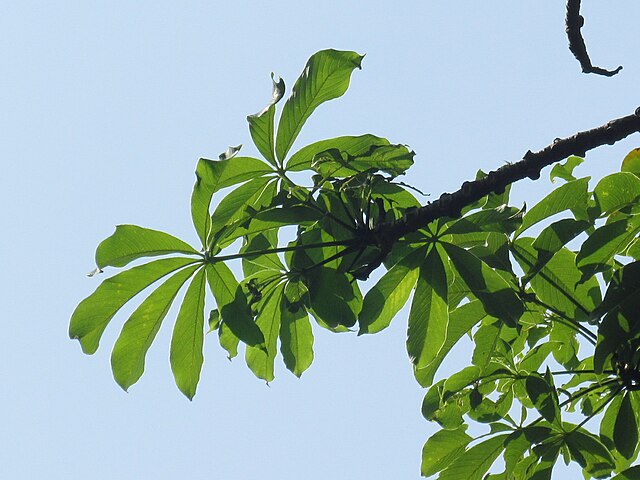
(625, 430)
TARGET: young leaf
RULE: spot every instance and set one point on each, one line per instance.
(475, 462)
(232, 303)
(389, 295)
(188, 337)
(348, 145)
(93, 314)
(429, 314)
(139, 331)
(565, 170)
(261, 125)
(497, 296)
(296, 338)
(441, 449)
(213, 175)
(326, 76)
(130, 242)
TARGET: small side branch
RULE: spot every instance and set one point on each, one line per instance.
(574, 22)
(451, 204)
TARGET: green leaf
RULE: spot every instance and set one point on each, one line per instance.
(441, 449)
(605, 242)
(296, 338)
(486, 340)
(213, 175)
(232, 303)
(139, 331)
(188, 338)
(625, 430)
(214, 320)
(502, 219)
(228, 340)
(93, 314)
(461, 321)
(130, 242)
(565, 170)
(590, 453)
(260, 359)
(475, 462)
(333, 297)
(391, 159)
(616, 191)
(570, 196)
(543, 397)
(326, 76)
(348, 145)
(498, 297)
(389, 295)
(261, 125)
(632, 473)
(429, 314)
(631, 162)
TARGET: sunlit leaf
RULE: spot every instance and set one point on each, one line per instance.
(130, 242)
(391, 159)
(631, 162)
(188, 337)
(261, 125)
(93, 314)
(474, 463)
(565, 169)
(296, 338)
(441, 449)
(326, 76)
(590, 453)
(388, 296)
(502, 219)
(616, 191)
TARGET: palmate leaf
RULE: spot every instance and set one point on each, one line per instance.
(139, 331)
(188, 337)
(93, 314)
(429, 314)
(213, 175)
(325, 77)
(261, 125)
(384, 300)
(130, 242)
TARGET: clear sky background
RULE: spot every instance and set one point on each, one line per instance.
(105, 108)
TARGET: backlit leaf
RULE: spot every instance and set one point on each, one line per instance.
(261, 125)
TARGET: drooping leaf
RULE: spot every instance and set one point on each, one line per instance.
(232, 303)
(441, 449)
(326, 76)
(93, 314)
(474, 463)
(348, 145)
(213, 175)
(461, 321)
(389, 295)
(625, 430)
(616, 191)
(261, 125)
(570, 196)
(296, 337)
(130, 242)
(139, 331)
(429, 314)
(188, 338)
(495, 293)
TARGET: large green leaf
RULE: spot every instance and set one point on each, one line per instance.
(475, 462)
(543, 397)
(93, 314)
(429, 314)
(296, 338)
(441, 449)
(139, 331)
(391, 159)
(188, 337)
(625, 430)
(349, 145)
(130, 242)
(326, 76)
(389, 295)
(616, 191)
(590, 453)
(498, 297)
(260, 359)
(232, 304)
(333, 297)
(261, 125)
(213, 175)
(461, 321)
(570, 196)
(605, 242)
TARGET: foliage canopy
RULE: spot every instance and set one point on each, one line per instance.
(548, 296)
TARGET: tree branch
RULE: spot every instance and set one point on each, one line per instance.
(451, 204)
(574, 22)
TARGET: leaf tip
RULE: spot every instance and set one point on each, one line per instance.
(95, 272)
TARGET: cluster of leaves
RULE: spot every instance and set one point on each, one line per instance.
(525, 302)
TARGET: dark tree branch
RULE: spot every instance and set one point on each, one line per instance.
(451, 204)
(574, 22)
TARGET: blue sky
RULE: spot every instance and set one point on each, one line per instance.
(106, 108)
